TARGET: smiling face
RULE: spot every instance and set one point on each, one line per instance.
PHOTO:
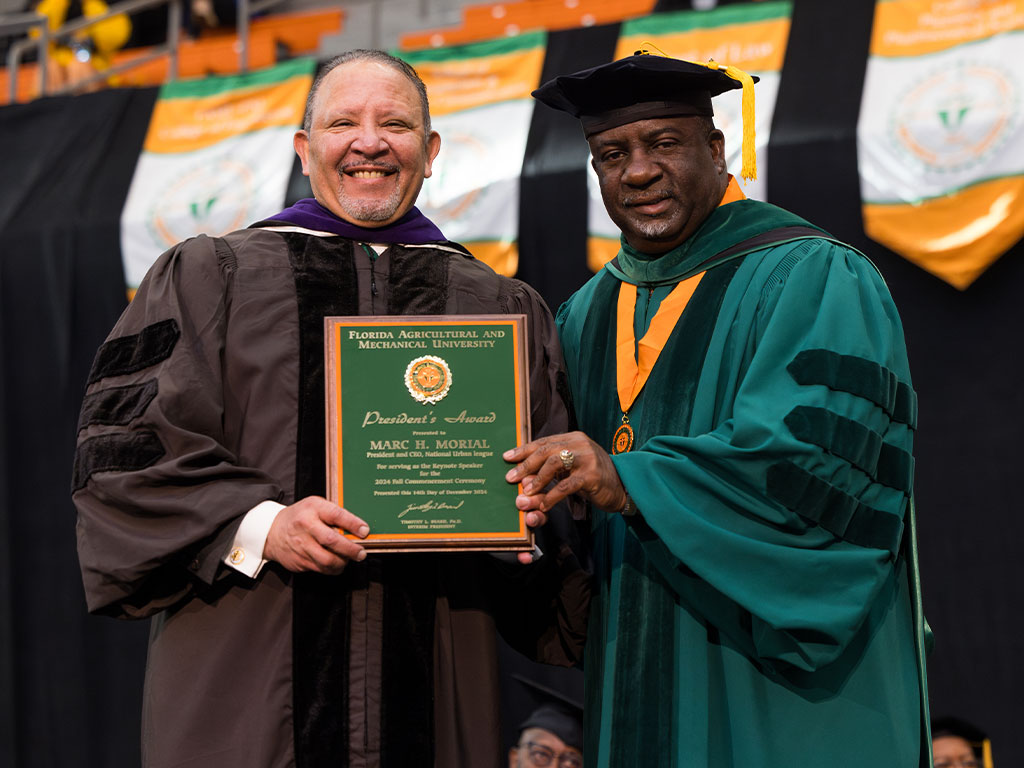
(660, 178)
(367, 151)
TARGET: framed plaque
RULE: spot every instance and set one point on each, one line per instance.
(419, 411)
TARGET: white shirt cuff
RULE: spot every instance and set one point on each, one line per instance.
(246, 553)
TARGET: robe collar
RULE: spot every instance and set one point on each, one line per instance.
(413, 228)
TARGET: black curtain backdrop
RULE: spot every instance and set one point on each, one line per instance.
(70, 684)
(553, 184)
(966, 372)
(70, 691)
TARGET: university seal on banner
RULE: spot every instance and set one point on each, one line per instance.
(958, 118)
(428, 379)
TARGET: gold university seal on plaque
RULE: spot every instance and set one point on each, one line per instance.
(428, 379)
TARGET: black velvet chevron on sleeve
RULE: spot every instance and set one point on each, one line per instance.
(854, 443)
(837, 512)
(857, 376)
(115, 453)
(129, 354)
(117, 406)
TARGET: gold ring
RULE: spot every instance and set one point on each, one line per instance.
(567, 457)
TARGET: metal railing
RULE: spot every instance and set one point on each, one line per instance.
(16, 25)
(41, 44)
(20, 24)
(246, 9)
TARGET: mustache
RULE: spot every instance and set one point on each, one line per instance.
(369, 165)
(646, 197)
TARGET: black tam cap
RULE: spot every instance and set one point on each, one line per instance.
(559, 720)
(635, 88)
(645, 86)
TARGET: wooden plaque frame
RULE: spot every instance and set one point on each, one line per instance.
(419, 410)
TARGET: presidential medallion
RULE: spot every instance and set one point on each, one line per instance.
(622, 440)
(428, 379)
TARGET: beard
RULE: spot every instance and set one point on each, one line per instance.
(371, 210)
(362, 209)
(652, 229)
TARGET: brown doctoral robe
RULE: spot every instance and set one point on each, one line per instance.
(206, 399)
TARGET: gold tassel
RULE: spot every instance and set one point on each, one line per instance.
(748, 169)
(986, 753)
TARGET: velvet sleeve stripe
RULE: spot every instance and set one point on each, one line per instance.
(129, 354)
(860, 377)
(837, 512)
(115, 453)
(853, 442)
(117, 406)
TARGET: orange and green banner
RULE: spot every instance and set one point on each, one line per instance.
(217, 156)
(752, 37)
(480, 104)
(940, 141)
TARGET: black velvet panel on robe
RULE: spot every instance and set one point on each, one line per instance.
(326, 285)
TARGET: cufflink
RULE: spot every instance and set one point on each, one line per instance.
(237, 556)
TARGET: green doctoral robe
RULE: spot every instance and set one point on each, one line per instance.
(762, 609)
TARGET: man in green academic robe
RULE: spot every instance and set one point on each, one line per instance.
(741, 382)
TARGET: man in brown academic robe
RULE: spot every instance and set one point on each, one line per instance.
(199, 476)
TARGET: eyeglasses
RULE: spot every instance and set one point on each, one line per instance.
(542, 757)
(958, 762)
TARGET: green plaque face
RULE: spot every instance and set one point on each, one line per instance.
(419, 411)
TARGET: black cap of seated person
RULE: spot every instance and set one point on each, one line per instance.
(552, 735)
(957, 743)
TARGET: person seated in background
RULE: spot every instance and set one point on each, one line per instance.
(550, 736)
(959, 744)
(88, 51)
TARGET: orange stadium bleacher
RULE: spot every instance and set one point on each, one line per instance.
(215, 53)
(300, 32)
(483, 22)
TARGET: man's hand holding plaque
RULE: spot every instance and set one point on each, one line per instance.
(307, 536)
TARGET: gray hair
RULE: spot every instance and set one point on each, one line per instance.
(367, 54)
